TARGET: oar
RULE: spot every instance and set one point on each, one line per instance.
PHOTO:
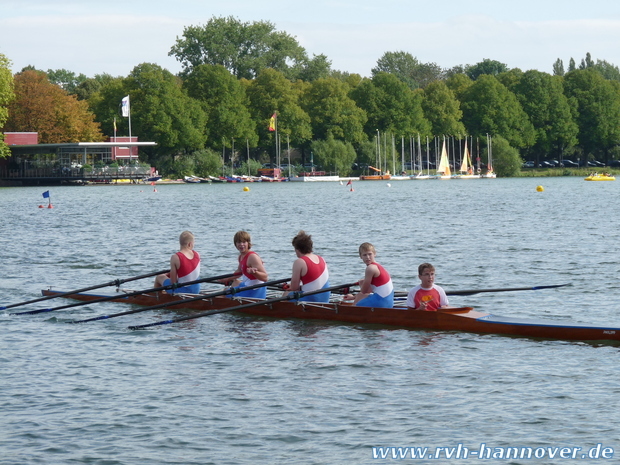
(479, 291)
(130, 294)
(116, 282)
(292, 296)
(228, 291)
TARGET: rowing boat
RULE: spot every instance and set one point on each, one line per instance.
(456, 319)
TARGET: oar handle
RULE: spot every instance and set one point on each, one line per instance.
(294, 295)
(183, 301)
(116, 282)
(130, 294)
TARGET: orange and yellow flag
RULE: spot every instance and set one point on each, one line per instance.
(272, 123)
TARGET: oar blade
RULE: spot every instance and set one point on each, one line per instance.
(116, 282)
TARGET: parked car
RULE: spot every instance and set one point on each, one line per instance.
(547, 164)
(569, 164)
(614, 163)
(529, 164)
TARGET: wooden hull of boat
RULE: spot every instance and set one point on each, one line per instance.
(376, 177)
(462, 319)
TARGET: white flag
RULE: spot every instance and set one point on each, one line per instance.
(125, 107)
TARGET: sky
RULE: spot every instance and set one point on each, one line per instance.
(94, 37)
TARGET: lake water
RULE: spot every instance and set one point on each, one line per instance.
(230, 389)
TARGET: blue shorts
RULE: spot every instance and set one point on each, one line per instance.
(258, 293)
(375, 300)
(191, 289)
(322, 297)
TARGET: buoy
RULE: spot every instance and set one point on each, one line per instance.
(389, 185)
(41, 206)
(540, 189)
(50, 206)
(246, 188)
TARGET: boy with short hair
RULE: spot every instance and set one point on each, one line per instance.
(376, 289)
(184, 267)
(427, 295)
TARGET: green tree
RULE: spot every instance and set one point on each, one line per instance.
(400, 64)
(598, 109)
(334, 155)
(506, 159)
(587, 62)
(607, 70)
(459, 83)
(366, 152)
(571, 65)
(243, 48)
(333, 112)
(272, 93)
(160, 111)
(542, 98)
(442, 109)
(490, 108)
(391, 106)
(486, 66)
(7, 95)
(319, 67)
(408, 69)
(90, 86)
(66, 79)
(558, 68)
(207, 162)
(224, 101)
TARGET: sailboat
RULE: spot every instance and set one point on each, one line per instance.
(420, 175)
(467, 168)
(443, 170)
(490, 173)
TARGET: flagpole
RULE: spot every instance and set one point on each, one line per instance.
(130, 141)
(114, 138)
(277, 145)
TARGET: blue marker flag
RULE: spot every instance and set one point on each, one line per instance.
(46, 194)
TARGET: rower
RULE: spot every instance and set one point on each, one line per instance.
(184, 267)
(310, 271)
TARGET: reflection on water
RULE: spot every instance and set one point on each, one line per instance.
(233, 389)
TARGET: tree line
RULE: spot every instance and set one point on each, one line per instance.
(236, 75)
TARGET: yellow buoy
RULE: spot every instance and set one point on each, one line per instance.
(246, 188)
(540, 189)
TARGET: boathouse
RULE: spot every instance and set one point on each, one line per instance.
(31, 163)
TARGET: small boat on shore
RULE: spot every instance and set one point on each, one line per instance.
(454, 319)
(376, 177)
